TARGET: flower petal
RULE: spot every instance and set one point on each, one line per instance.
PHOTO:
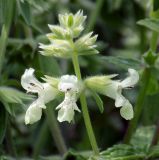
(67, 83)
(127, 111)
(120, 99)
(131, 80)
(49, 93)
(29, 82)
(65, 114)
(33, 114)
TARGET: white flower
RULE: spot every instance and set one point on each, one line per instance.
(114, 90)
(45, 92)
(70, 86)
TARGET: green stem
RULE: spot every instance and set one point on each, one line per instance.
(94, 15)
(153, 42)
(142, 93)
(5, 32)
(85, 108)
(55, 130)
(41, 139)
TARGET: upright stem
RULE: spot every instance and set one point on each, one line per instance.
(85, 108)
(5, 32)
(55, 131)
(142, 93)
(153, 42)
(94, 15)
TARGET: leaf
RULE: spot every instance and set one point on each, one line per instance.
(49, 65)
(4, 6)
(152, 24)
(98, 101)
(50, 158)
(72, 154)
(11, 95)
(25, 11)
(154, 152)
(122, 62)
(9, 108)
(143, 137)
(3, 122)
(122, 152)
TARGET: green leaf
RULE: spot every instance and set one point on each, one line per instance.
(150, 57)
(49, 65)
(152, 24)
(72, 154)
(3, 123)
(4, 7)
(122, 152)
(122, 62)
(10, 95)
(9, 108)
(143, 137)
(98, 101)
(154, 152)
(25, 11)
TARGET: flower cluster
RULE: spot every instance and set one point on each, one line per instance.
(65, 43)
(46, 93)
(64, 38)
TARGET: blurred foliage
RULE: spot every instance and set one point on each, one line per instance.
(122, 43)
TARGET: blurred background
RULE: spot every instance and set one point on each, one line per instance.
(121, 43)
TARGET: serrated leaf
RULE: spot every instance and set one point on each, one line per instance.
(98, 101)
(3, 122)
(122, 62)
(122, 152)
(152, 24)
(143, 137)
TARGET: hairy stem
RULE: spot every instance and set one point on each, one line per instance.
(85, 108)
(55, 130)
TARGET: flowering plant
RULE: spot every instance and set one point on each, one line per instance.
(66, 42)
